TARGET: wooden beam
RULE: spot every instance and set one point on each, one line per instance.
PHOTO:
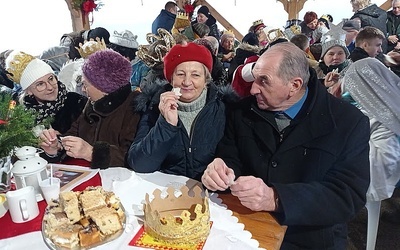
(386, 5)
(221, 19)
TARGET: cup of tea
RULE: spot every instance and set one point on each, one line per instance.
(22, 204)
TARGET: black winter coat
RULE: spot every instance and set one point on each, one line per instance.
(375, 17)
(393, 27)
(320, 170)
(212, 24)
(160, 146)
(358, 54)
(72, 109)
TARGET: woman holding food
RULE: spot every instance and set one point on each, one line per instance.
(333, 63)
(107, 126)
(183, 118)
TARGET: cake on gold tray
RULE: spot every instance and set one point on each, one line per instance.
(82, 220)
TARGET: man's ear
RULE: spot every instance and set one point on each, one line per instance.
(364, 44)
(297, 84)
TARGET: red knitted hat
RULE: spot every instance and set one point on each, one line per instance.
(185, 53)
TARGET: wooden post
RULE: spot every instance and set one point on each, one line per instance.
(79, 20)
(293, 7)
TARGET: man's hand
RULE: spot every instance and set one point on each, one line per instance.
(218, 176)
(254, 194)
(395, 56)
(393, 39)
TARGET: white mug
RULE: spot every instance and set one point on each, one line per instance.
(22, 204)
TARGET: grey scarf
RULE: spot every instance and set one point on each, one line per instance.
(188, 111)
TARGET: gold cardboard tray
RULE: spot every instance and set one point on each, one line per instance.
(107, 239)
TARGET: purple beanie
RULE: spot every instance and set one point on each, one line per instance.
(107, 70)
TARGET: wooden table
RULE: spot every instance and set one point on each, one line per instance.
(262, 225)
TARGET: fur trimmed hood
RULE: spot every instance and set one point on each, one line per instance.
(248, 47)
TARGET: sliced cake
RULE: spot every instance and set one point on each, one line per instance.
(106, 219)
(70, 205)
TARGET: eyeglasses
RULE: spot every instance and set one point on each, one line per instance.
(42, 85)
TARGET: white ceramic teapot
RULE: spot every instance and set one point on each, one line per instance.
(30, 169)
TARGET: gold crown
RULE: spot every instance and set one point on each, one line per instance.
(296, 29)
(326, 17)
(17, 64)
(292, 31)
(181, 22)
(181, 15)
(91, 46)
(275, 34)
(152, 55)
(228, 32)
(183, 220)
(258, 22)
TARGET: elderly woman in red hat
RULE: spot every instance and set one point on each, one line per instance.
(183, 118)
(106, 128)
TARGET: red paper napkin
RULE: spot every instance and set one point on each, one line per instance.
(10, 229)
(142, 239)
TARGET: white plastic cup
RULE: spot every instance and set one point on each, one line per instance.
(22, 204)
(50, 189)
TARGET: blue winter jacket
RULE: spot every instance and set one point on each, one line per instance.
(160, 146)
(164, 20)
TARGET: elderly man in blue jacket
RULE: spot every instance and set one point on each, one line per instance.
(296, 151)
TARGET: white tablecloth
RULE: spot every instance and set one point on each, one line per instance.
(226, 232)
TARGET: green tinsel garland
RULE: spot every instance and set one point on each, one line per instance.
(17, 131)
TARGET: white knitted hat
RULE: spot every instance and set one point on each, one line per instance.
(332, 43)
(26, 69)
(336, 36)
(124, 39)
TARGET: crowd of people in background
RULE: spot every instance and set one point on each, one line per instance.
(299, 121)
